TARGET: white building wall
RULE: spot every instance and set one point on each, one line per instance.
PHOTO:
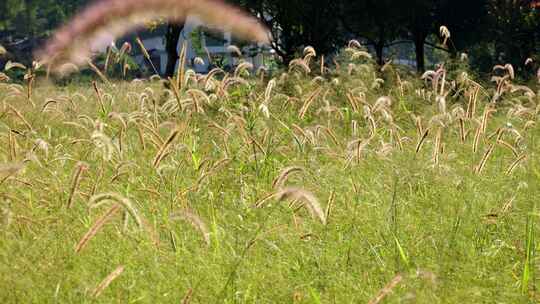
(192, 23)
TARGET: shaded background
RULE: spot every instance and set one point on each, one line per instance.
(489, 31)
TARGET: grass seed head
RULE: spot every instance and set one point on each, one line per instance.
(107, 281)
(195, 221)
(309, 200)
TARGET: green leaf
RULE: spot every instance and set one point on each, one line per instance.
(402, 253)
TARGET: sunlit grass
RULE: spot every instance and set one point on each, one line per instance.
(188, 186)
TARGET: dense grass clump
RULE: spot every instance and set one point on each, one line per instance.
(342, 184)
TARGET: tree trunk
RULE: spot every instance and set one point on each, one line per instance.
(285, 56)
(419, 40)
(171, 44)
(379, 49)
(30, 26)
(379, 45)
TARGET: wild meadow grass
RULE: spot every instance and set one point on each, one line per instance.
(316, 185)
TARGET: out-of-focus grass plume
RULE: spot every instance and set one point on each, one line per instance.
(103, 21)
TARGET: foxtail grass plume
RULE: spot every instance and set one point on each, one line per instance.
(198, 61)
(105, 20)
(310, 202)
(14, 65)
(508, 68)
(76, 180)
(234, 50)
(354, 44)
(99, 199)
(96, 227)
(10, 168)
(107, 281)
(283, 175)
(445, 34)
(195, 221)
(386, 289)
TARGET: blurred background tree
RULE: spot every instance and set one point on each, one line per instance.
(24, 24)
(377, 21)
(295, 24)
(513, 32)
